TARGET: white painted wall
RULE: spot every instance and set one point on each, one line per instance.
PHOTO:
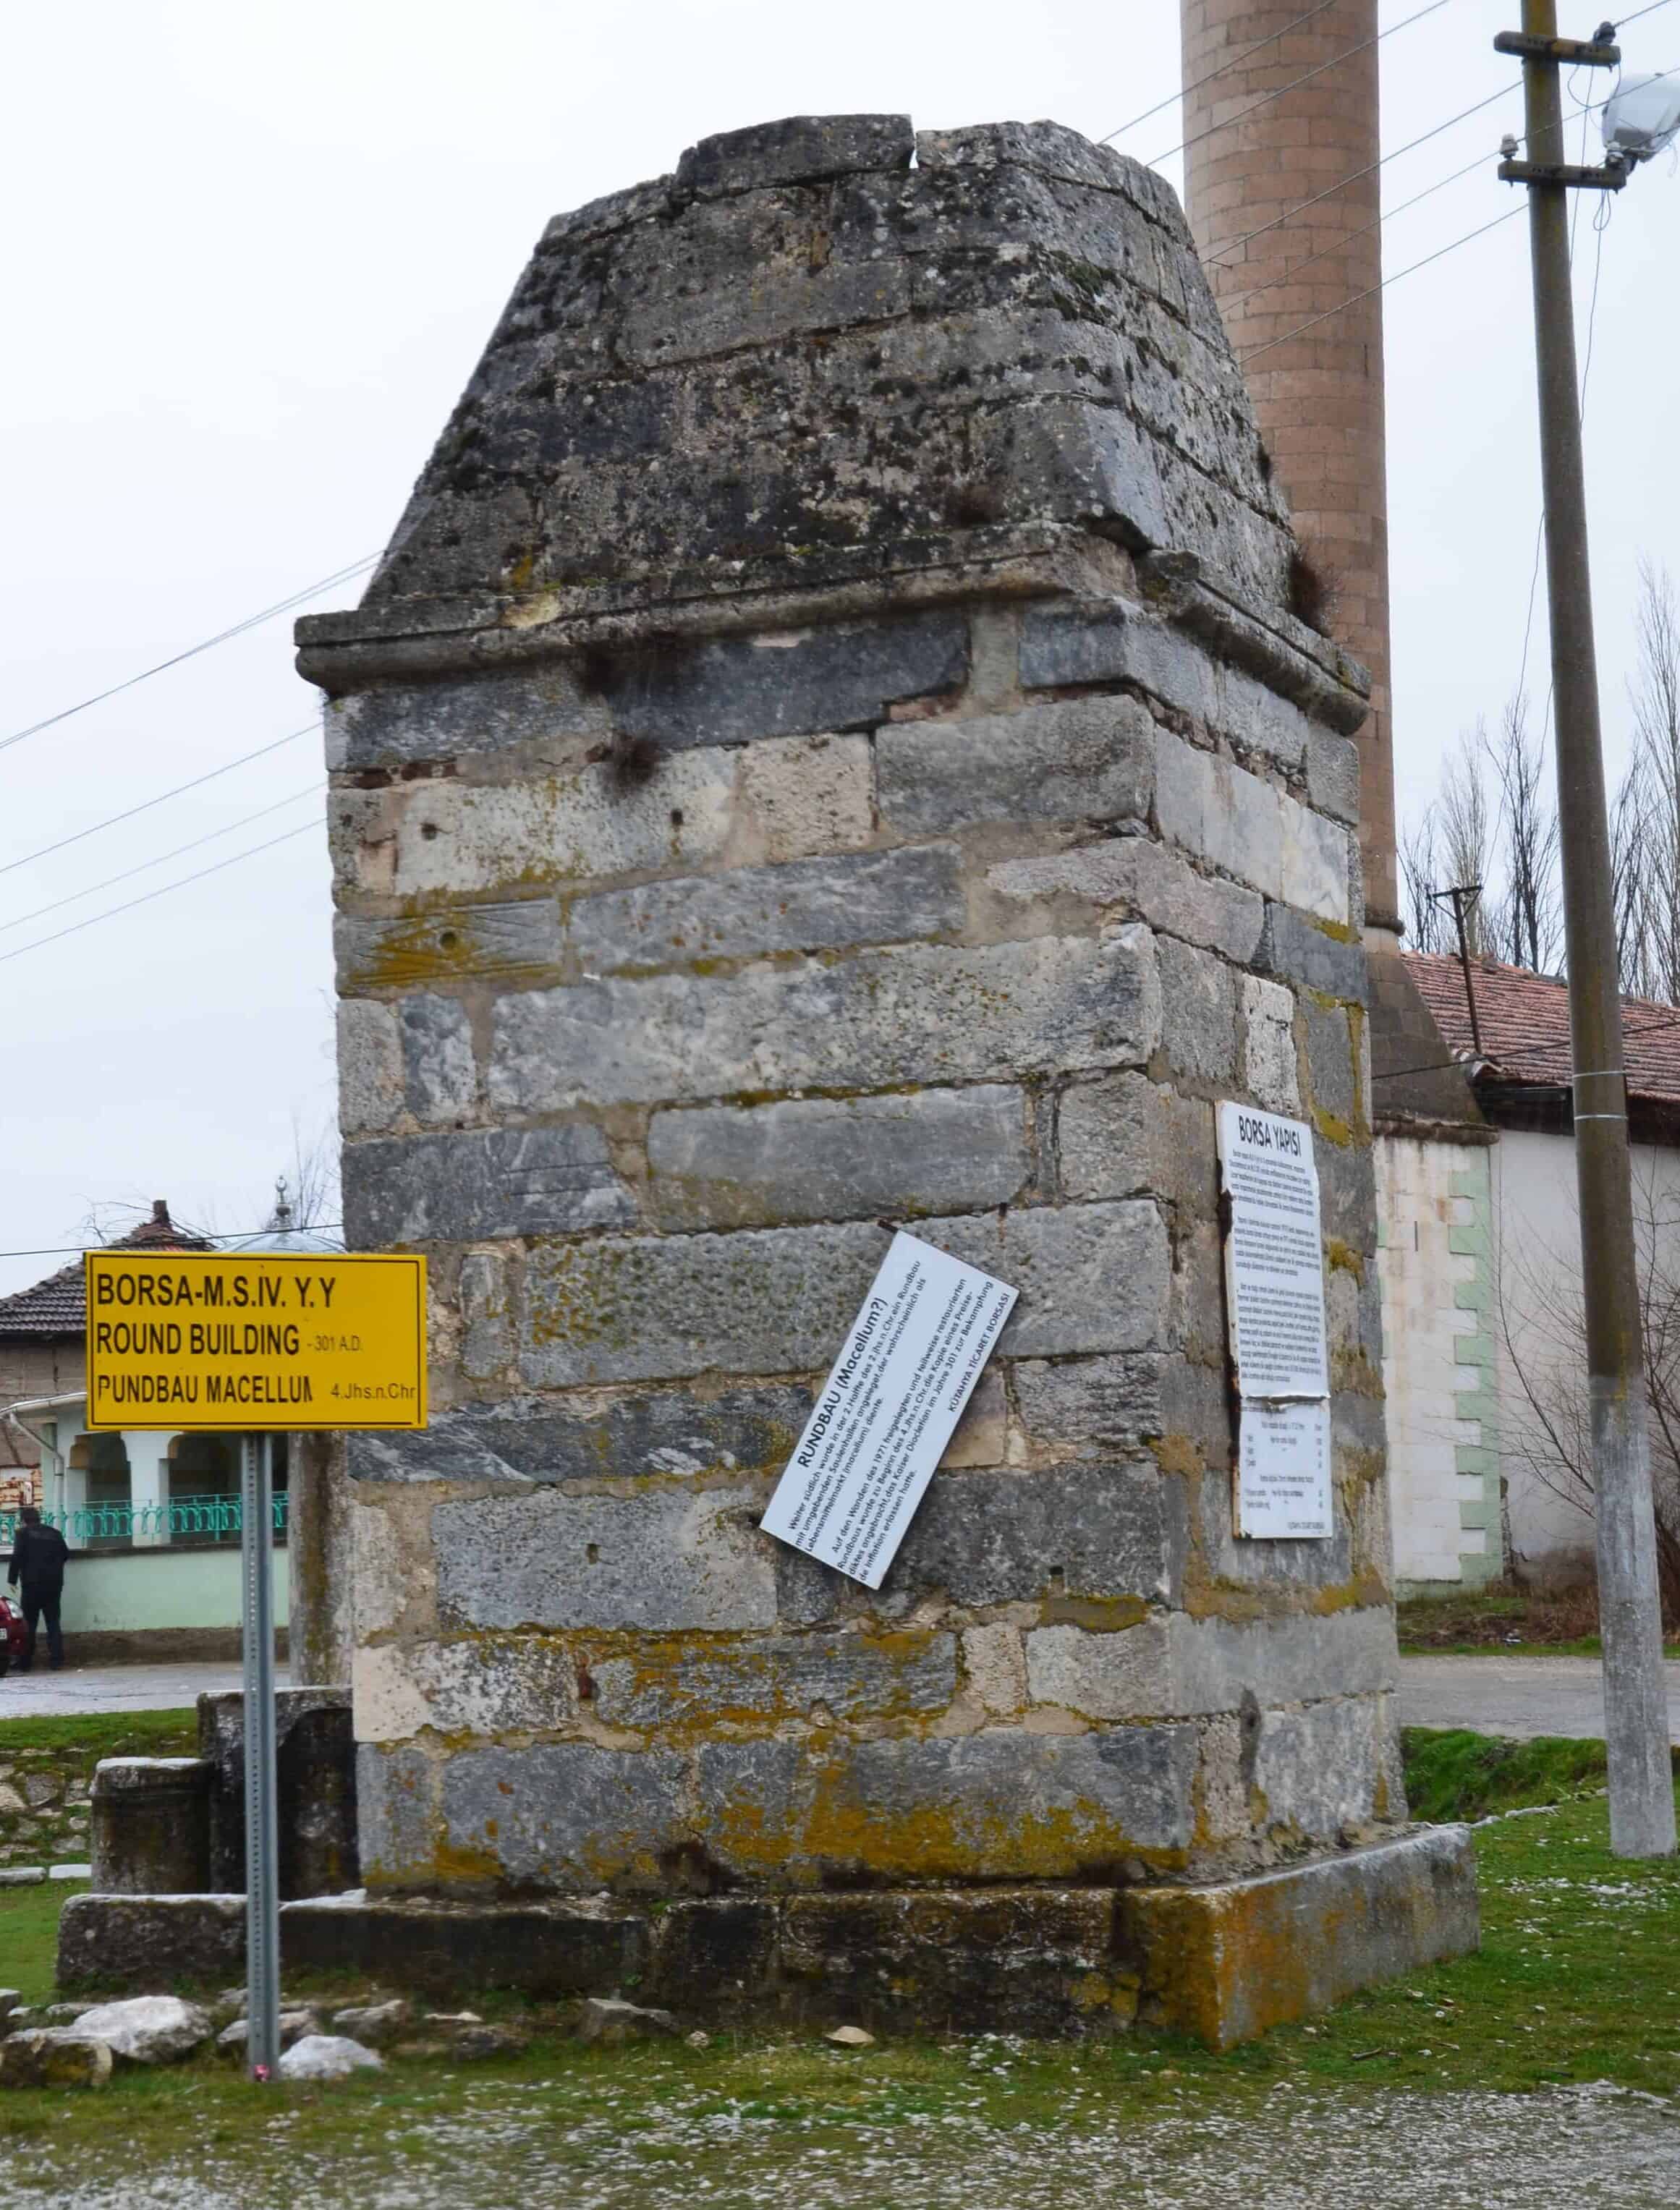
(1425, 1322)
(1539, 1314)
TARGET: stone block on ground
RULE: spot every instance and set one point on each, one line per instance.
(1229, 1961)
(148, 2029)
(151, 1826)
(132, 1940)
(326, 2056)
(611, 2022)
(294, 2025)
(54, 2057)
(374, 2024)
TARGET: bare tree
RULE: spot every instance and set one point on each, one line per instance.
(1421, 871)
(1466, 838)
(1654, 696)
(1523, 918)
(307, 1184)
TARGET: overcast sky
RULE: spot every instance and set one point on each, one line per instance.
(253, 253)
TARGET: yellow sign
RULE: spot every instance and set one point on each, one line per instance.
(255, 1339)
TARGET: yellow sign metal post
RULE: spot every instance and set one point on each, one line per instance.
(255, 1339)
(261, 1343)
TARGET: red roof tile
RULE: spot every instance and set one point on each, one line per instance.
(58, 1306)
(1524, 1024)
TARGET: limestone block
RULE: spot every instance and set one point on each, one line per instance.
(53, 2056)
(1330, 1063)
(502, 944)
(796, 795)
(1148, 878)
(1229, 1961)
(1126, 1674)
(806, 905)
(567, 1815)
(482, 1182)
(399, 1815)
(1113, 1401)
(1220, 812)
(1079, 759)
(804, 149)
(316, 1784)
(1320, 1767)
(768, 1300)
(1198, 1012)
(1293, 950)
(148, 2029)
(1332, 775)
(487, 1334)
(1270, 1072)
(150, 1826)
(1102, 1531)
(1347, 1191)
(1123, 1133)
(549, 1949)
(1318, 858)
(724, 690)
(113, 1939)
(664, 1560)
(369, 1066)
(380, 1581)
(440, 1075)
(995, 1667)
(455, 839)
(928, 1150)
(981, 1437)
(400, 725)
(326, 2056)
(523, 1440)
(486, 1685)
(776, 1677)
(1287, 1660)
(614, 2023)
(998, 1803)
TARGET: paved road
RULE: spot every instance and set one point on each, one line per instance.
(1519, 1697)
(115, 1688)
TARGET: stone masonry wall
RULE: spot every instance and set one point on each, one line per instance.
(827, 749)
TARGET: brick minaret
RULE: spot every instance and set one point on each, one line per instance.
(1318, 398)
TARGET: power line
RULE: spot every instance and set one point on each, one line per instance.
(214, 1236)
(192, 845)
(1266, 98)
(146, 897)
(1370, 169)
(1622, 24)
(1252, 352)
(1229, 62)
(146, 803)
(251, 621)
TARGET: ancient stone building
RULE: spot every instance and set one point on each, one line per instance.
(828, 748)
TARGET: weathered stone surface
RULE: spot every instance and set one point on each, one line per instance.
(927, 1152)
(778, 1677)
(1123, 1133)
(1176, 1666)
(1198, 1012)
(1270, 1065)
(375, 2025)
(586, 1946)
(1092, 1277)
(1159, 885)
(148, 2029)
(150, 1826)
(923, 1013)
(996, 1804)
(1229, 1961)
(861, 898)
(1220, 812)
(486, 1314)
(396, 725)
(500, 944)
(483, 1182)
(326, 2056)
(611, 2021)
(123, 1939)
(1093, 1400)
(1294, 950)
(398, 1823)
(440, 1077)
(719, 1951)
(567, 1815)
(1118, 1676)
(796, 795)
(484, 1684)
(314, 1776)
(1321, 1767)
(1080, 759)
(803, 149)
(663, 1560)
(53, 2056)
(1101, 1532)
(1330, 1063)
(233, 2040)
(369, 1066)
(1332, 775)
(727, 690)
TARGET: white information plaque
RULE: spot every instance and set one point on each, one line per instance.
(886, 1413)
(1274, 1287)
(1283, 1483)
(1274, 1254)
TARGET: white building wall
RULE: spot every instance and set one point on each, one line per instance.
(1439, 1361)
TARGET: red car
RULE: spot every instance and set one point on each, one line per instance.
(13, 1635)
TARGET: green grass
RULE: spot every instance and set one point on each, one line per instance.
(1452, 1775)
(29, 1937)
(105, 1734)
(1578, 1979)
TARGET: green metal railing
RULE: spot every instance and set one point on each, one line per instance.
(183, 1519)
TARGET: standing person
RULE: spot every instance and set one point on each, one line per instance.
(38, 1570)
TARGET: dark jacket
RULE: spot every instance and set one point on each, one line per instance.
(37, 1559)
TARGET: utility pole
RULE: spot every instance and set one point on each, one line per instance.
(1641, 1788)
(1460, 894)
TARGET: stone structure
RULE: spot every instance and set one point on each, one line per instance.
(828, 746)
(1281, 180)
